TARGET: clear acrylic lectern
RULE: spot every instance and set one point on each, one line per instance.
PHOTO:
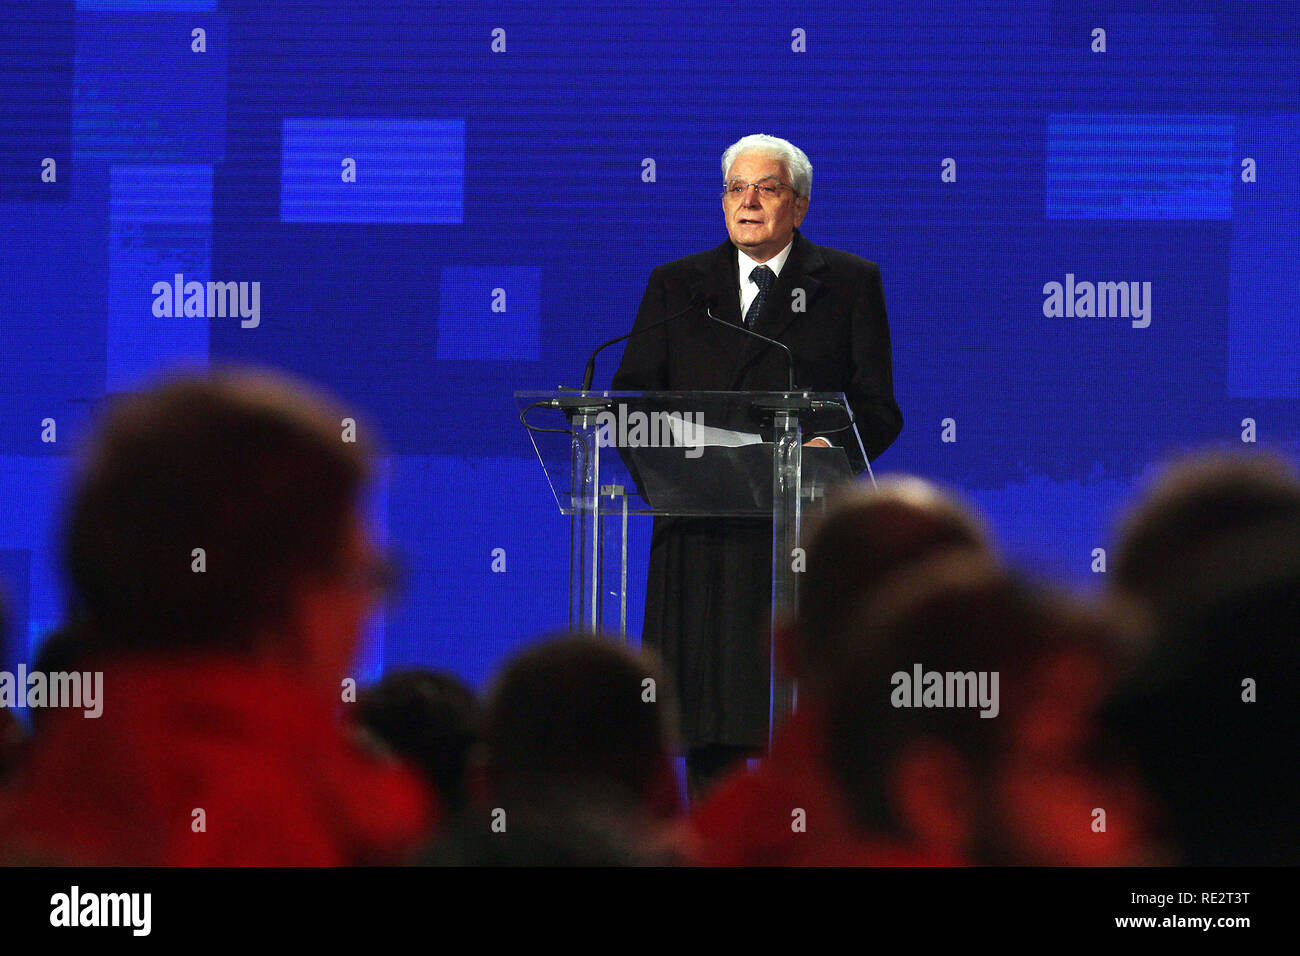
(610, 455)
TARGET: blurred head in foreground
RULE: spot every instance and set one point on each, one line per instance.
(1212, 713)
(220, 574)
(963, 722)
(865, 536)
(578, 739)
(220, 514)
(431, 719)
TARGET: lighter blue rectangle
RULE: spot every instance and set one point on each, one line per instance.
(1139, 166)
(161, 194)
(160, 224)
(1264, 318)
(406, 171)
(150, 6)
(1264, 273)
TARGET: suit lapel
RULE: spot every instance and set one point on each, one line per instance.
(720, 284)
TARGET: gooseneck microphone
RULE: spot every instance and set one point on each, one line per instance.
(789, 356)
(697, 300)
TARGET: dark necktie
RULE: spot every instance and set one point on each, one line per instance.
(763, 277)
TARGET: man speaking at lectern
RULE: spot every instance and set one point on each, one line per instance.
(710, 579)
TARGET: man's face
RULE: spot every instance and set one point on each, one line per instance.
(761, 226)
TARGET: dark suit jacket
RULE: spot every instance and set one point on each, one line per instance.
(709, 584)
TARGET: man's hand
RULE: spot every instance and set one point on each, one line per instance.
(818, 442)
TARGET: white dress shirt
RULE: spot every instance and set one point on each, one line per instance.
(748, 287)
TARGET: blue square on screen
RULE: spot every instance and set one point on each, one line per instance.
(160, 225)
(372, 170)
(1263, 347)
(142, 94)
(37, 46)
(471, 329)
(1139, 166)
(150, 6)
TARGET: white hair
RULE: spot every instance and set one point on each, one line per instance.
(795, 159)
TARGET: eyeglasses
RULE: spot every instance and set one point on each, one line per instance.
(767, 189)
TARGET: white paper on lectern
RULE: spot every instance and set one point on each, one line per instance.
(694, 434)
(672, 429)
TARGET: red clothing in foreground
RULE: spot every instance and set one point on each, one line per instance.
(265, 759)
(750, 818)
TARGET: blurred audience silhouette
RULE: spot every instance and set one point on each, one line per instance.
(1014, 776)
(220, 575)
(1212, 711)
(430, 719)
(951, 709)
(578, 768)
(865, 536)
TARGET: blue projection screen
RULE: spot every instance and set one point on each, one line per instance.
(378, 178)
